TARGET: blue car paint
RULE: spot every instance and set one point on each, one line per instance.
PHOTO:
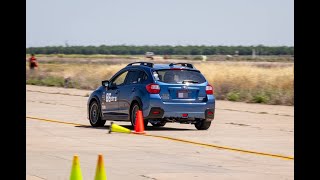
(120, 109)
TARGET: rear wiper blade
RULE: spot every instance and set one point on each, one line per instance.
(189, 81)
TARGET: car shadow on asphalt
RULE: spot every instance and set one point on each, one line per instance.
(148, 128)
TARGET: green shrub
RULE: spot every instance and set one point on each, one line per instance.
(233, 96)
(46, 81)
(198, 58)
(53, 81)
(260, 98)
(34, 81)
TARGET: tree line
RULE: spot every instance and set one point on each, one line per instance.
(164, 50)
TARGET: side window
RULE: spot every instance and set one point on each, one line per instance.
(142, 77)
(132, 77)
(136, 77)
(120, 79)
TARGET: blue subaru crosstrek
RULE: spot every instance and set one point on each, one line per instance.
(164, 92)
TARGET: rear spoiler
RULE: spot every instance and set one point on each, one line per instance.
(183, 64)
(141, 64)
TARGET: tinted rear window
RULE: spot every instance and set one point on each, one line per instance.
(179, 76)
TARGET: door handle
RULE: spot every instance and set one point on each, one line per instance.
(117, 91)
(133, 89)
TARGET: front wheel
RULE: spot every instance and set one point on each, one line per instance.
(203, 125)
(95, 115)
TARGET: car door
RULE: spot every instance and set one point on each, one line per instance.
(129, 90)
(126, 92)
(111, 96)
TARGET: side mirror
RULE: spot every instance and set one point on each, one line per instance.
(112, 85)
(105, 83)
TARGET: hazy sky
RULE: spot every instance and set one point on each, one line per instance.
(160, 22)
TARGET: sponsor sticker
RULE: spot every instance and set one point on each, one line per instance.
(110, 98)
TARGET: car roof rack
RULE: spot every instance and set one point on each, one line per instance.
(149, 64)
(183, 64)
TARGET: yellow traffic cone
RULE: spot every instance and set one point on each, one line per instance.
(76, 170)
(100, 170)
(116, 128)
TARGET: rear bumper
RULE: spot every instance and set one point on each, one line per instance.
(176, 110)
(174, 115)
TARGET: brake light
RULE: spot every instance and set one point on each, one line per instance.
(153, 88)
(209, 89)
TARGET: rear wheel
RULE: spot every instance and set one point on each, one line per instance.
(203, 124)
(95, 115)
(134, 109)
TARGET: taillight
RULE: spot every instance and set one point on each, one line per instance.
(209, 89)
(153, 88)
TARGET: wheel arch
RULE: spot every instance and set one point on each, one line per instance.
(136, 99)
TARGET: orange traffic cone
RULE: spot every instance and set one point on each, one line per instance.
(139, 126)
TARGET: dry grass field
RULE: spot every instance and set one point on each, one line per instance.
(258, 82)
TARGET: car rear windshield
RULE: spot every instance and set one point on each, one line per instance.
(179, 76)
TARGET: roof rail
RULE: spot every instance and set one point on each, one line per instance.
(183, 64)
(142, 64)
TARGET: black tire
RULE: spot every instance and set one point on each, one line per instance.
(95, 115)
(203, 125)
(161, 124)
(134, 108)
